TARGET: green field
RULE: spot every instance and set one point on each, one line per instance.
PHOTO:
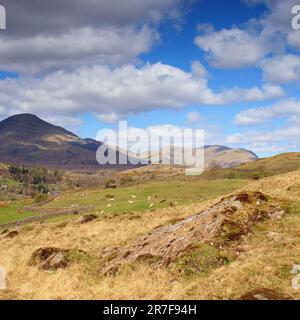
(11, 214)
(140, 197)
(144, 197)
(9, 182)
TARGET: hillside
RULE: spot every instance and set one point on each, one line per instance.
(249, 247)
(214, 156)
(261, 168)
(27, 139)
(226, 157)
(282, 163)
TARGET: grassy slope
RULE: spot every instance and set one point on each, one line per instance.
(9, 182)
(267, 256)
(9, 211)
(283, 163)
(209, 185)
(163, 194)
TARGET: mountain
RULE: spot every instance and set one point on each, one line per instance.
(226, 157)
(214, 156)
(26, 139)
(29, 140)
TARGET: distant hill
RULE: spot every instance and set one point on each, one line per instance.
(29, 140)
(261, 168)
(282, 163)
(215, 156)
(226, 157)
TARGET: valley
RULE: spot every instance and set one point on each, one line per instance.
(104, 220)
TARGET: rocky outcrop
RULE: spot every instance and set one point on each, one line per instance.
(87, 218)
(264, 294)
(224, 222)
(11, 234)
(55, 258)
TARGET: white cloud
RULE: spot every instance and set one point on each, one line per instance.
(289, 108)
(249, 45)
(285, 134)
(198, 69)
(108, 117)
(194, 117)
(282, 69)
(232, 48)
(121, 91)
(32, 17)
(267, 91)
(79, 47)
(294, 39)
(47, 35)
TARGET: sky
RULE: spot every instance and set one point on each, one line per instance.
(229, 67)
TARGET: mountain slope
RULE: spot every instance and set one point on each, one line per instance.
(220, 156)
(26, 139)
(227, 157)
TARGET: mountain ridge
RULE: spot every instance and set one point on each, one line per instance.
(27, 139)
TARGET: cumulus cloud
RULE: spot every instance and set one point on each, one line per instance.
(32, 17)
(281, 135)
(123, 90)
(289, 108)
(282, 69)
(199, 70)
(294, 39)
(108, 117)
(85, 46)
(194, 117)
(255, 40)
(264, 141)
(46, 35)
(231, 48)
(267, 91)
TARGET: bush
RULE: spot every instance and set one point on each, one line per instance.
(42, 188)
(40, 198)
(110, 184)
(127, 179)
(231, 175)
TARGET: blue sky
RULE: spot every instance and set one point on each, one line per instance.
(229, 67)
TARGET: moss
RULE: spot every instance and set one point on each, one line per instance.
(200, 260)
(231, 231)
(77, 256)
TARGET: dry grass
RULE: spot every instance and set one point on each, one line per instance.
(284, 186)
(77, 281)
(264, 261)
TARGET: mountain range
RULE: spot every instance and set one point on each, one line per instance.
(29, 140)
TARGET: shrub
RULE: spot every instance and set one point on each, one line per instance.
(110, 184)
(231, 175)
(127, 179)
(40, 198)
